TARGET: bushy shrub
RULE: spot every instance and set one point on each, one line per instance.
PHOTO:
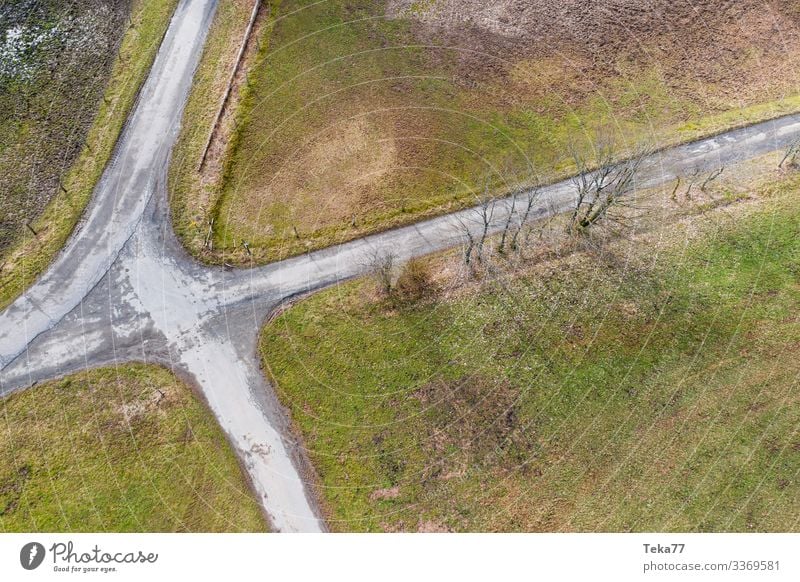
(415, 281)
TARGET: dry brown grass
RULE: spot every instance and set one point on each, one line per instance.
(323, 183)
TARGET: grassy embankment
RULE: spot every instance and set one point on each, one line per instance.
(125, 449)
(650, 388)
(192, 192)
(349, 124)
(30, 255)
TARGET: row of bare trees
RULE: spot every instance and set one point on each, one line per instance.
(603, 183)
(512, 235)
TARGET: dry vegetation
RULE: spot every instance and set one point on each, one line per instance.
(723, 49)
(56, 58)
(193, 179)
(362, 115)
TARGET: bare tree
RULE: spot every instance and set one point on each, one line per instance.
(518, 215)
(711, 177)
(381, 265)
(481, 215)
(501, 247)
(530, 198)
(485, 213)
(791, 154)
(470, 247)
(600, 189)
(692, 177)
(674, 195)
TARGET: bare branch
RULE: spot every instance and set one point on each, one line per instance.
(711, 177)
(791, 154)
(381, 265)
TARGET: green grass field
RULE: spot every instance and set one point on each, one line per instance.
(353, 122)
(125, 449)
(654, 392)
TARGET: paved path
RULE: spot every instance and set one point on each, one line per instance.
(123, 289)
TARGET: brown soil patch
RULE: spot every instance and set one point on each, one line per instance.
(731, 44)
(388, 493)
